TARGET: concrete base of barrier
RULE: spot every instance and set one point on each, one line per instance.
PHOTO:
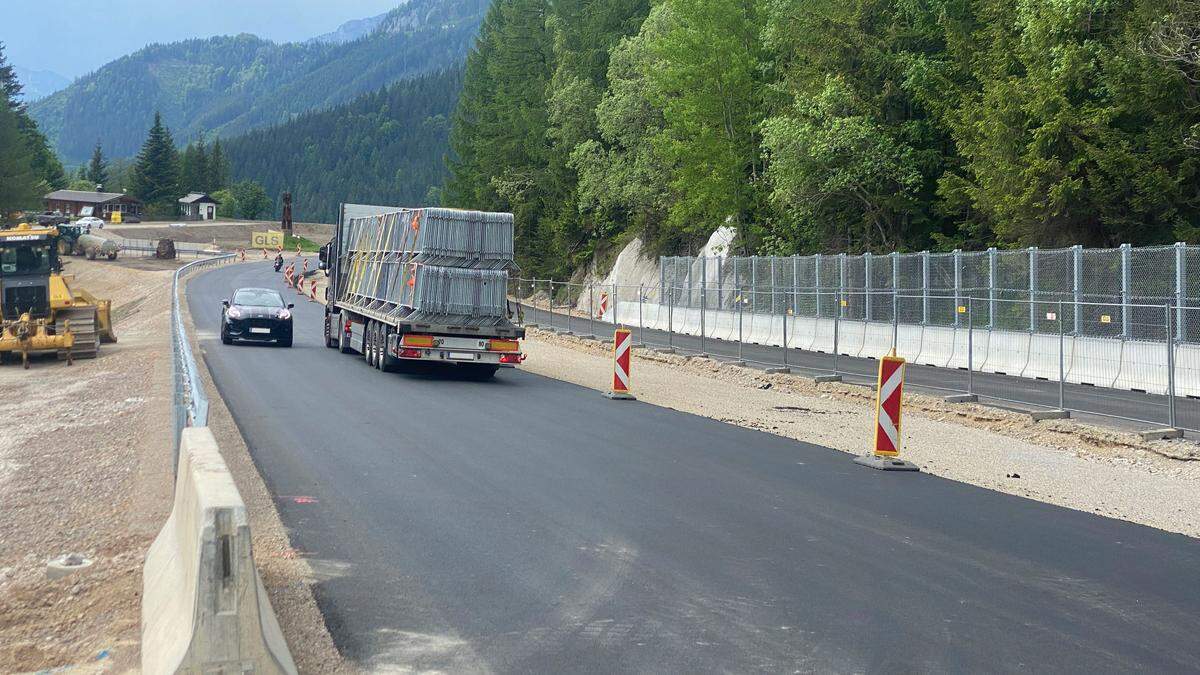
(820, 379)
(886, 463)
(1039, 415)
(665, 350)
(739, 364)
(1160, 434)
(204, 608)
(778, 371)
(962, 398)
(619, 396)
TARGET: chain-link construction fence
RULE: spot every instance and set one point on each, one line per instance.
(1064, 336)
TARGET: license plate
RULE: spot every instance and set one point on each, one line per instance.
(260, 330)
(461, 356)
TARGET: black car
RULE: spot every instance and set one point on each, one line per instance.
(256, 315)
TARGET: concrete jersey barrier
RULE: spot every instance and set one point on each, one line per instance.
(204, 608)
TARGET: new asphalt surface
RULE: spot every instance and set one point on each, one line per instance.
(530, 525)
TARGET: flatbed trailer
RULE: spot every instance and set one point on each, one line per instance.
(379, 331)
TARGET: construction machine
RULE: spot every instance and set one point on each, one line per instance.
(39, 309)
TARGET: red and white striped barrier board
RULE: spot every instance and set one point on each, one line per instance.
(264, 254)
(603, 305)
(287, 275)
(621, 361)
(887, 406)
(312, 292)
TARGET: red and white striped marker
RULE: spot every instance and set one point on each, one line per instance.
(312, 292)
(887, 406)
(287, 276)
(603, 305)
(264, 254)
(621, 360)
(887, 418)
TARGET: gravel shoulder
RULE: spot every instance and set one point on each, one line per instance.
(85, 467)
(1067, 463)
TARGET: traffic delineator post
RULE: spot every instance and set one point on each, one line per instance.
(287, 276)
(622, 342)
(888, 406)
(603, 305)
(312, 292)
(264, 254)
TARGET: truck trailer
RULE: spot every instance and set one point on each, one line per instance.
(412, 287)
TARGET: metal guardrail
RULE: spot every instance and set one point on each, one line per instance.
(191, 403)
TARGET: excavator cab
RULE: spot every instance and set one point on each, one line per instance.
(39, 312)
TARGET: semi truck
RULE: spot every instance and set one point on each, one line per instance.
(421, 287)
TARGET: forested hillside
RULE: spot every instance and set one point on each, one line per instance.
(387, 147)
(222, 86)
(832, 125)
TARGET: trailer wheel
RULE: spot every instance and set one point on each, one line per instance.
(368, 349)
(343, 339)
(386, 362)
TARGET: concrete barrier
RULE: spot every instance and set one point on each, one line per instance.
(204, 609)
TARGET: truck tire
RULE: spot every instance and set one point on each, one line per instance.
(330, 332)
(343, 340)
(387, 363)
(367, 342)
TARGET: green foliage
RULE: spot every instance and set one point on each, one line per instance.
(81, 184)
(306, 245)
(831, 125)
(387, 147)
(41, 158)
(193, 168)
(97, 168)
(228, 85)
(20, 186)
(156, 171)
(226, 206)
(249, 200)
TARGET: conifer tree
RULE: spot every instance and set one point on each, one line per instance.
(156, 171)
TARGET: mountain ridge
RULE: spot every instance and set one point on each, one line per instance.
(228, 85)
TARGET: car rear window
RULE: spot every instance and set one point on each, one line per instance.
(258, 298)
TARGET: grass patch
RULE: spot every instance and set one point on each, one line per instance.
(306, 245)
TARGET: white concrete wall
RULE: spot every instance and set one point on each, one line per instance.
(1103, 362)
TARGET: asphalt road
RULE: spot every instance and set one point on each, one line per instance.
(529, 525)
(1118, 407)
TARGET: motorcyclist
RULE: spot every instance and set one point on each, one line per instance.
(278, 262)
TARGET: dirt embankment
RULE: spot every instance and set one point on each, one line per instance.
(85, 467)
(227, 235)
(1079, 466)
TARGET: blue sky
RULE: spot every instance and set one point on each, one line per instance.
(70, 36)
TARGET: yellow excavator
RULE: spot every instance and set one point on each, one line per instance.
(39, 310)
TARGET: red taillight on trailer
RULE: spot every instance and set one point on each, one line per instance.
(512, 358)
(346, 328)
(410, 353)
(503, 345)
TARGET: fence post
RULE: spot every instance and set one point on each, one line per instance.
(970, 346)
(925, 288)
(671, 319)
(785, 341)
(895, 282)
(662, 276)
(992, 263)
(703, 300)
(1126, 320)
(550, 302)
(1170, 370)
(641, 326)
(567, 284)
(1062, 371)
(795, 285)
(1033, 286)
(841, 280)
(773, 283)
(615, 297)
(817, 282)
(720, 279)
(957, 257)
(1077, 287)
(740, 303)
(837, 323)
(895, 323)
(1180, 288)
(753, 283)
(592, 309)
(867, 313)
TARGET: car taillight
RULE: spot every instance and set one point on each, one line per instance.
(512, 358)
(503, 345)
(417, 340)
(410, 353)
